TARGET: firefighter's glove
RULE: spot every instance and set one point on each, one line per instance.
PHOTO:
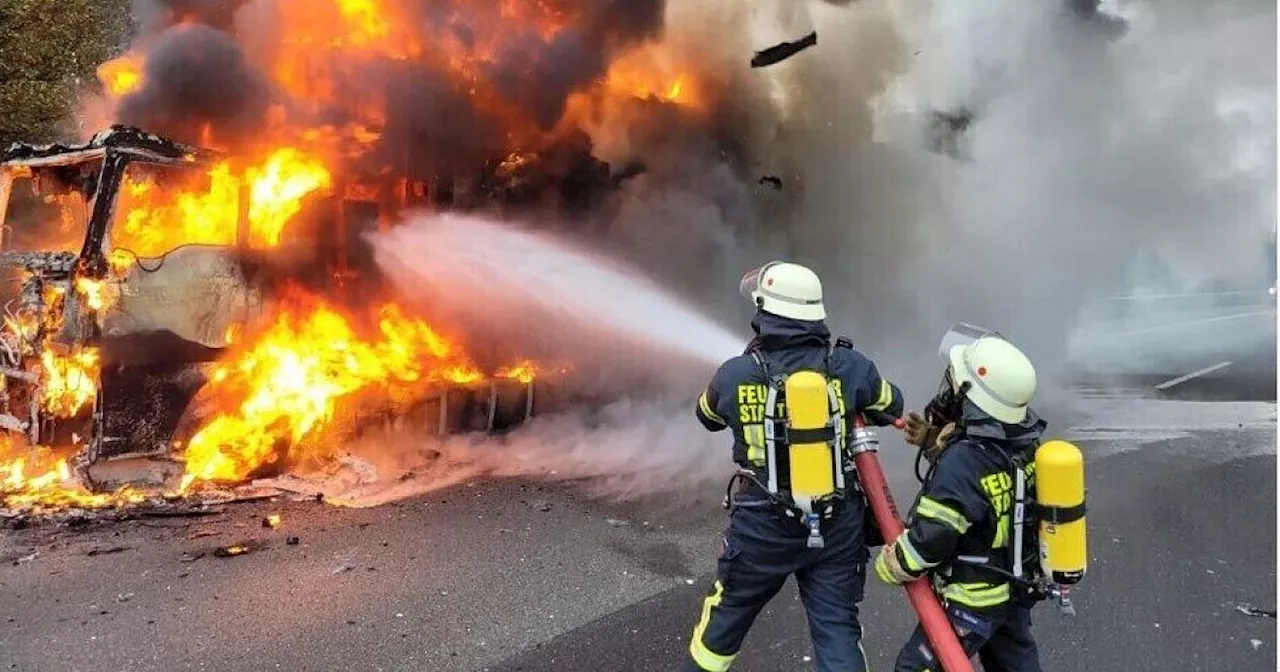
(916, 429)
(939, 440)
(925, 436)
(889, 569)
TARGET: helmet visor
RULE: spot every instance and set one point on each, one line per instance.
(749, 286)
(961, 334)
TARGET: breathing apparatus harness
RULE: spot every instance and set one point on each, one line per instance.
(779, 435)
(1021, 566)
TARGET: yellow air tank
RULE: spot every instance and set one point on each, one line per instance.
(812, 470)
(1060, 495)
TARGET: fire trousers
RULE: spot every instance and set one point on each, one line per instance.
(1000, 637)
(762, 547)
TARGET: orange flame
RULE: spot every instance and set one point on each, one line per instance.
(38, 481)
(96, 293)
(289, 381)
(648, 73)
(524, 372)
(71, 381)
(157, 221)
(122, 76)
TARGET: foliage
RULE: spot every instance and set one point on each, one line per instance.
(50, 50)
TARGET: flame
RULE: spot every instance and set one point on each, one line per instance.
(649, 73)
(37, 481)
(97, 293)
(122, 76)
(157, 221)
(288, 381)
(524, 372)
(71, 381)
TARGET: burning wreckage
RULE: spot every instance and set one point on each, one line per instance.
(193, 303)
(121, 372)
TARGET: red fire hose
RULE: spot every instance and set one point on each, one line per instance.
(937, 628)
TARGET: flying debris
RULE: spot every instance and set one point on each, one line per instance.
(781, 52)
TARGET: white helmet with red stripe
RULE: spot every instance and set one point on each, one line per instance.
(1001, 379)
(785, 289)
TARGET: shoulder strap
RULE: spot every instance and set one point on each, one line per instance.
(774, 385)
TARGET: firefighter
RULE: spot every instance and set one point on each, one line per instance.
(975, 433)
(797, 508)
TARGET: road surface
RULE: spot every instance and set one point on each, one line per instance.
(507, 576)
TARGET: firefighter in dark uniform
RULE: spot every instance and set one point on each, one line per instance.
(770, 536)
(974, 433)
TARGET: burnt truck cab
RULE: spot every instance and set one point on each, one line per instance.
(142, 329)
(148, 329)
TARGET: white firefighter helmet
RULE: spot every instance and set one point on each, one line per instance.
(785, 289)
(1002, 380)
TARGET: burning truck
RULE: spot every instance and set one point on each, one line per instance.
(193, 304)
(106, 350)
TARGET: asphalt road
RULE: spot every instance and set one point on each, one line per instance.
(519, 576)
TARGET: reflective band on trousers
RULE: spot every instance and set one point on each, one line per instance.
(976, 595)
(706, 658)
(931, 508)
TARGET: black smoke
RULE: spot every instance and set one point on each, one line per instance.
(205, 59)
(197, 76)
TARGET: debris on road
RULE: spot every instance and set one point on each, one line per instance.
(21, 518)
(198, 511)
(343, 569)
(291, 541)
(614, 522)
(1249, 610)
(234, 550)
(108, 551)
(541, 505)
(272, 521)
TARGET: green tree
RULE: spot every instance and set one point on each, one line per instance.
(48, 50)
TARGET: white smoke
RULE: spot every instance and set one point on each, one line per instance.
(626, 450)
(1087, 146)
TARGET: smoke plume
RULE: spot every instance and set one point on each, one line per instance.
(1086, 144)
(457, 77)
(999, 162)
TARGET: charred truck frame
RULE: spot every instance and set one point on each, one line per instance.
(155, 342)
